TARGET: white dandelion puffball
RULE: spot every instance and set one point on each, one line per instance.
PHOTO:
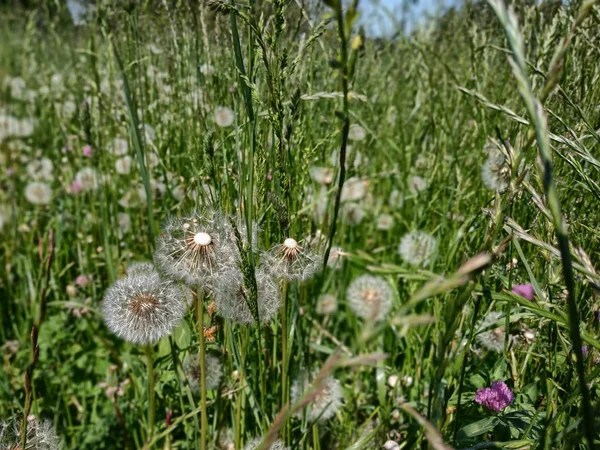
(123, 165)
(143, 308)
(354, 189)
(231, 297)
(336, 258)
(254, 443)
(124, 221)
(326, 400)
(207, 69)
(322, 175)
(88, 179)
(291, 261)
(396, 200)
(224, 116)
(192, 249)
(68, 108)
(353, 214)
(491, 333)
(327, 304)
(357, 133)
(416, 184)
(213, 368)
(38, 193)
(495, 172)
(40, 434)
(149, 132)
(417, 248)
(385, 222)
(370, 297)
(119, 147)
(41, 169)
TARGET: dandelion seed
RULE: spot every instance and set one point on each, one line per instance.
(495, 172)
(326, 400)
(123, 165)
(254, 443)
(354, 189)
(490, 335)
(370, 297)
(41, 170)
(416, 184)
(141, 268)
(191, 249)
(336, 258)
(88, 179)
(40, 435)
(322, 175)
(496, 398)
(417, 248)
(38, 193)
(213, 371)
(224, 117)
(231, 296)
(119, 147)
(356, 133)
(385, 222)
(327, 304)
(143, 308)
(291, 261)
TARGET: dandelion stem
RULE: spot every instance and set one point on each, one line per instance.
(202, 356)
(151, 398)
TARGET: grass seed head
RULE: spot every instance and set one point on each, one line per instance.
(213, 368)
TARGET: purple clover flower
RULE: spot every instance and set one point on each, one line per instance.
(524, 290)
(496, 398)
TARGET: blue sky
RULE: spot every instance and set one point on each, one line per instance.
(376, 13)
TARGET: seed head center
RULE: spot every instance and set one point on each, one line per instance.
(202, 239)
(290, 243)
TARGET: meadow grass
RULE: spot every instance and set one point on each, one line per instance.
(411, 221)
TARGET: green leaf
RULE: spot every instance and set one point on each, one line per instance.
(183, 335)
(478, 428)
(499, 370)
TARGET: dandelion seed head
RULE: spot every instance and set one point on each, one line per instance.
(490, 335)
(142, 308)
(336, 258)
(327, 304)
(356, 133)
(495, 172)
(224, 117)
(87, 178)
(325, 402)
(354, 189)
(370, 297)
(322, 175)
(40, 435)
(213, 371)
(191, 249)
(385, 222)
(123, 165)
(231, 295)
(254, 443)
(291, 261)
(41, 170)
(141, 268)
(38, 193)
(119, 147)
(417, 248)
(416, 184)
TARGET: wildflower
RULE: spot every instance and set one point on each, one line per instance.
(143, 308)
(40, 169)
(38, 193)
(327, 304)
(325, 400)
(123, 165)
(87, 151)
(231, 297)
(40, 434)
(75, 187)
(191, 249)
(141, 268)
(354, 189)
(119, 147)
(336, 258)
(496, 398)
(417, 248)
(495, 172)
(524, 290)
(370, 297)
(322, 175)
(416, 184)
(385, 222)
(356, 133)
(213, 371)
(88, 179)
(82, 280)
(254, 443)
(224, 117)
(291, 261)
(492, 338)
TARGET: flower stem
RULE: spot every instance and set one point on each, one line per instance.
(284, 362)
(151, 397)
(202, 356)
